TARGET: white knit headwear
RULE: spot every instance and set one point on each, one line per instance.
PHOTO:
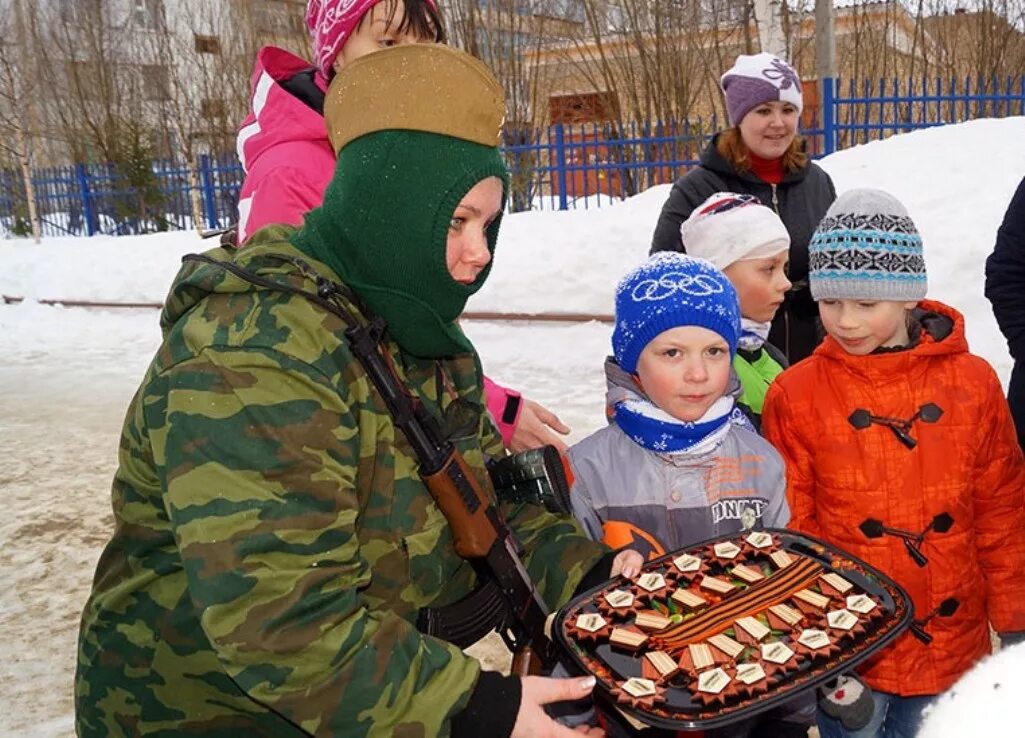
(728, 227)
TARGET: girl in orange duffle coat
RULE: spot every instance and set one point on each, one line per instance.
(901, 450)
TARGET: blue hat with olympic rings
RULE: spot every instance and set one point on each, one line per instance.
(667, 291)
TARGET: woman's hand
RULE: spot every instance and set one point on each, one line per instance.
(628, 563)
(534, 428)
(533, 722)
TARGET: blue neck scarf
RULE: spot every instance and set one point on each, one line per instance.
(655, 430)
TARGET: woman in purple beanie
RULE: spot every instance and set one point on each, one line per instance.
(761, 154)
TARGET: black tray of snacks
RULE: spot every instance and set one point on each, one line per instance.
(729, 627)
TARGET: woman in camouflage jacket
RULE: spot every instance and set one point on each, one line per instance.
(274, 542)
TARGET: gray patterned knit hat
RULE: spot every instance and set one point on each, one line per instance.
(866, 248)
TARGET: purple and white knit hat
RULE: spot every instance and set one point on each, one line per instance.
(758, 79)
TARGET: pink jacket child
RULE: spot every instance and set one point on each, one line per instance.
(285, 152)
(283, 145)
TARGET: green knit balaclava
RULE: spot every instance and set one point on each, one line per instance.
(383, 228)
(402, 170)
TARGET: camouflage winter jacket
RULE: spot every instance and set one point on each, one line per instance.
(273, 540)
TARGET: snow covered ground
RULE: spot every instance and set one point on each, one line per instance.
(67, 375)
(986, 701)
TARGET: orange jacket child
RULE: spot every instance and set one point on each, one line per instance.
(900, 447)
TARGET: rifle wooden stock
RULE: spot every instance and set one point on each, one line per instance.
(479, 534)
(453, 488)
(525, 663)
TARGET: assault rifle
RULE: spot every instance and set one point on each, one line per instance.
(506, 599)
(479, 533)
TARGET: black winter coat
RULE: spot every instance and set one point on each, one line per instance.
(1005, 288)
(800, 200)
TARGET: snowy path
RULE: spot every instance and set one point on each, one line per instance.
(63, 404)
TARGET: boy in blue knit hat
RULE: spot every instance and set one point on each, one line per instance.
(679, 462)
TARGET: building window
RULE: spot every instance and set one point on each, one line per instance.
(207, 44)
(85, 78)
(500, 44)
(148, 14)
(211, 108)
(279, 17)
(69, 11)
(516, 7)
(617, 18)
(155, 82)
(571, 10)
(724, 11)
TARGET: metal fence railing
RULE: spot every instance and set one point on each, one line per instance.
(86, 199)
(558, 167)
(867, 111)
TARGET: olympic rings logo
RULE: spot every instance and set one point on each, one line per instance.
(695, 285)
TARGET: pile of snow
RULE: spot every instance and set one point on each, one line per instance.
(985, 702)
(571, 261)
(100, 268)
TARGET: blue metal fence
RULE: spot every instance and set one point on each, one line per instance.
(86, 199)
(586, 165)
(869, 111)
(560, 167)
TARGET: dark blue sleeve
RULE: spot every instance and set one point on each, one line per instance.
(1005, 275)
(689, 191)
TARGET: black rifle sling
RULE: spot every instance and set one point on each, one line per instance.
(461, 623)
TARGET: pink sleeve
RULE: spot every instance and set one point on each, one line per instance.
(277, 195)
(505, 406)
